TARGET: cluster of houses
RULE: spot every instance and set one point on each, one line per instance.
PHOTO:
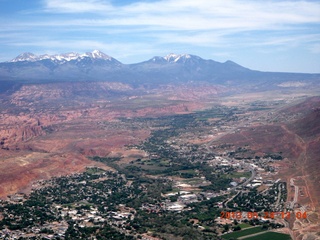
(46, 231)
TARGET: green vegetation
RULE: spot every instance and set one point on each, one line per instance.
(270, 235)
(75, 197)
(260, 201)
(167, 160)
(242, 233)
(244, 225)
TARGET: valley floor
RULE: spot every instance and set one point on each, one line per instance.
(145, 167)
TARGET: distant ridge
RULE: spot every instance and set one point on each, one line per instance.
(30, 57)
(170, 69)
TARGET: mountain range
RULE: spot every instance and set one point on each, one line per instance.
(30, 57)
(171, 69)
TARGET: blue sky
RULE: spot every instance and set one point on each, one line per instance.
(259, 34)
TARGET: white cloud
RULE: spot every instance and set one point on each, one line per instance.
(208, 20)
(290, 40)
(212, 15)
(74, 6)
(195, 15)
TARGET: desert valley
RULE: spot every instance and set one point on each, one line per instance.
(175, 147)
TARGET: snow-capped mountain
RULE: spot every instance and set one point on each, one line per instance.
(170, 69)
(97, 54)
(27, 56)
(66, 57)
(175, 58)
(172, 57)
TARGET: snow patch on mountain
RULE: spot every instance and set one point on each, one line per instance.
(172, 57)
(27, 56)
(66, 57)
(97, 55)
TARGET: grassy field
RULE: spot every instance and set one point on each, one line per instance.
(270, 235)
(243, 233)
(244, 225)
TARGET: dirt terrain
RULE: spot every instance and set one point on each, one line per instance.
(298, 141)
(18, 173)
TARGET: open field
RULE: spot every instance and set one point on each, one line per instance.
(269, 236)
(244, 225)
(242, 233)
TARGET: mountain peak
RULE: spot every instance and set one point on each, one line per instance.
(96, 54)
(172, 57)
(27, 56)
(176, 58)
(65, 57)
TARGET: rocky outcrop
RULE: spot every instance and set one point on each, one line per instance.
(10, 138)
(21, 173)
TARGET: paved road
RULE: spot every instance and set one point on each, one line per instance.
(225, 204)
(253, 174)
(279, 195)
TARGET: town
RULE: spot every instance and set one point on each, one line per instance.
(176, 188)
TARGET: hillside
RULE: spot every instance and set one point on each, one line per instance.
(295, 136)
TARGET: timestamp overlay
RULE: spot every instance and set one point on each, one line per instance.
(266, 215)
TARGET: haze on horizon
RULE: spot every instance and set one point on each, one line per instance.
(263, 35)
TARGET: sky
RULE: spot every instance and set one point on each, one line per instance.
(266, 35)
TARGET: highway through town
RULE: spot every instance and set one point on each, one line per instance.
(253, 174)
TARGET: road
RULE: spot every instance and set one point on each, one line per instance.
(296, 192)
(252, 235)
(225, 203)
(279, 195)
(253, 174)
